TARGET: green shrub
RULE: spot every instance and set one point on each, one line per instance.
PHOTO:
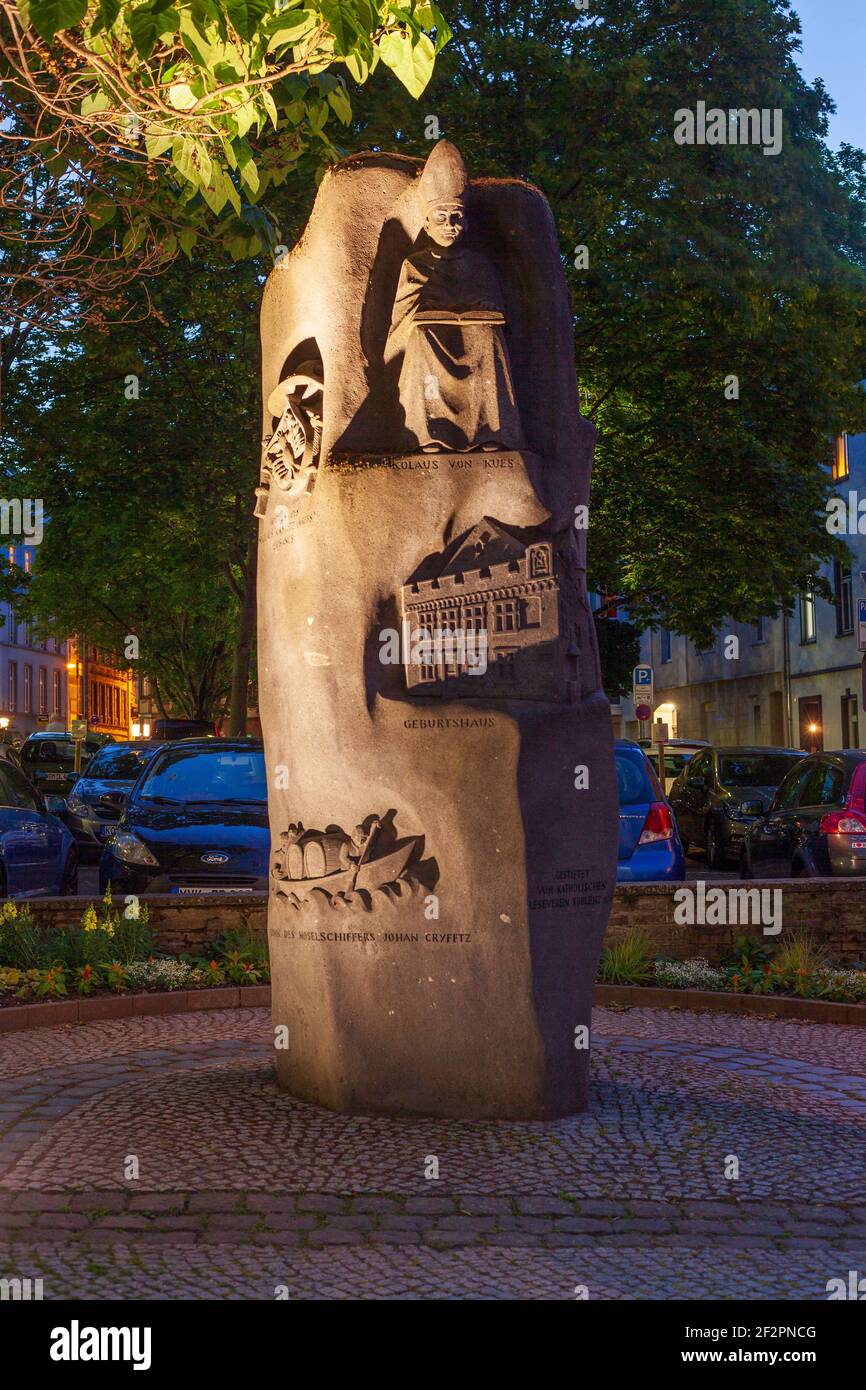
(627, 962)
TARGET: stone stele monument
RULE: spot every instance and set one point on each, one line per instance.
(441, 777)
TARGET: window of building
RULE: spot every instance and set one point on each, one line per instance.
(756, 724)
(58, 698)
(43, 690)
(808, 625)
(28, 560)
(475, 617)
(13, 686)
(844, 599)
(666, 643)
(850, 721)
(505, 665)
(506, 616)
(840, 457)
(28, 688)
(760, 631)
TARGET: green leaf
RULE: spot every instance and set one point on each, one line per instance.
(48, 16)
(95, 101)
(155, 145)
(290, 31)
(181, 96)
(270, 106)
(147, 25)
(108, 12)
(340, 104)
(246, 16)
(342, 23)
(247, 167)
(411, 63)
(187, 239)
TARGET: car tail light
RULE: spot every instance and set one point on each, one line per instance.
(857, 791)
(842, 823)
(659, 824)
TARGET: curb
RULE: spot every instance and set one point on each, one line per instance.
(720, 1002)
(17, 1018)
(65, 1011)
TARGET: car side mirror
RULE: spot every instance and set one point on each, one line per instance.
(752, 808)
(55, 805)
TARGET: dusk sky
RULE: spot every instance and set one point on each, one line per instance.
(834, 39)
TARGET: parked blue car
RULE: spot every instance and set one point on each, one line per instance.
(196, 821)
(38, 857)
(649, 844)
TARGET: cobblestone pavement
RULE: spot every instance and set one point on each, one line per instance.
(243, 1192)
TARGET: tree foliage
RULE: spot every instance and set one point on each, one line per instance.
(144, 449)
(132, 131)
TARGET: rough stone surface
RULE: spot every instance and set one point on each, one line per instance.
(244, 1191)
(451, 982)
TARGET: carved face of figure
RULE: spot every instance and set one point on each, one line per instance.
(444, 222)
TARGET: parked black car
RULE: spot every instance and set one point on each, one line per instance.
(96, 800)
(49, 760)
(816, 824)
(196, 821)
(712, 794)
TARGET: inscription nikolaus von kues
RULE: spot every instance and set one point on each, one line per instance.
(423, 458)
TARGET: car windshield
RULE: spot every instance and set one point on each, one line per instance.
(119, 763)
(756, 769)
(632, 780)
(55, 750)
(674, 762)
(207, 775)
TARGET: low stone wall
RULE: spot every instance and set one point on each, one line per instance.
(183, 926)
(833, 910)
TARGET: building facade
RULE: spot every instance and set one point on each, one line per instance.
(499, 613)
(794, 680)
(33, 674)
(100, 690)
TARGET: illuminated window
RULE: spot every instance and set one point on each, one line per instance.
(807, 617)
(43, 690)
(840, 457)
(28, 689)
(28, 560)
(13, 686)
(58, 704)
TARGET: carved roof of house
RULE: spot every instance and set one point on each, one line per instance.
(485, 544)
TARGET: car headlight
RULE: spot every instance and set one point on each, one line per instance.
(130, 849)
(77, 806)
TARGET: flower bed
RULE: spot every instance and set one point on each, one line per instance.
(797, 969)
(107, 952)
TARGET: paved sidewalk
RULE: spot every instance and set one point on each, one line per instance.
(155, 1158)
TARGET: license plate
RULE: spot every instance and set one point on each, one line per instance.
(200, 889)
(55, 776)
(104, 831)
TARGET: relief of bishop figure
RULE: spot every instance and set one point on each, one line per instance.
(455, 384)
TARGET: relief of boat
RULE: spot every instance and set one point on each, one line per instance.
(334, 876)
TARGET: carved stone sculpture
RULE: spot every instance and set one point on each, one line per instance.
(441, 780)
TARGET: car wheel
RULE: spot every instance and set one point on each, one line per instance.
(69, 882)
(714, 849)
